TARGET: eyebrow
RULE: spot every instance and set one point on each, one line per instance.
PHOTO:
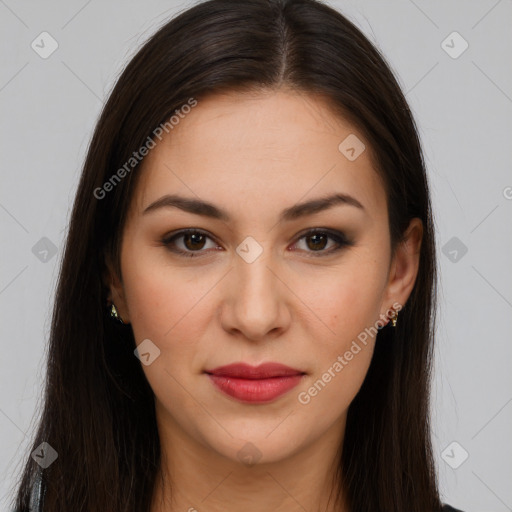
(199, 207)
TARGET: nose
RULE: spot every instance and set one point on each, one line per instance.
(256, 299)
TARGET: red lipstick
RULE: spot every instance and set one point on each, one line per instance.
(255, 384)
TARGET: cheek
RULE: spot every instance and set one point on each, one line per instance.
(346, 307)
(165, 307)
(172, 308)
(340, 362)
(342, 303)
(161, 300)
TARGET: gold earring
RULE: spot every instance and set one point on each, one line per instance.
(114, 314)
(394, 318)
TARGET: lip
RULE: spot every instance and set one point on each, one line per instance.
(255, 384)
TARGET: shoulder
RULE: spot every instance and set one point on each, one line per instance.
(447, 508)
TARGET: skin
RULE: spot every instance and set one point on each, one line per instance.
(253, 156)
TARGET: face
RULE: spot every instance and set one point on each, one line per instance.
(253, 283)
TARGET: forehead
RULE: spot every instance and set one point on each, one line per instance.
(275, 146)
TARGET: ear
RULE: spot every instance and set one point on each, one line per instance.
(404, 269)
(115, 288)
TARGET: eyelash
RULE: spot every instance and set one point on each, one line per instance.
(337, 236)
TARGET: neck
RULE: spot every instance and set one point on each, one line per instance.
(195, 478)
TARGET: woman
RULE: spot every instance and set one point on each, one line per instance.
(245, 311)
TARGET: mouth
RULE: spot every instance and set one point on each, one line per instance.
(255, 384)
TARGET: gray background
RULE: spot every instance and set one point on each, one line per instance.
(463, 108)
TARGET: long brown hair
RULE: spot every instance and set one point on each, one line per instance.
(98, 411)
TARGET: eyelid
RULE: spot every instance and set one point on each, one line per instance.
(168, 239)
(338, 236)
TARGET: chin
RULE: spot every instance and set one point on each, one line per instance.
(255, 449)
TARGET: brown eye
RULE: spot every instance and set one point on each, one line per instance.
(317, 240)
(192, 241)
